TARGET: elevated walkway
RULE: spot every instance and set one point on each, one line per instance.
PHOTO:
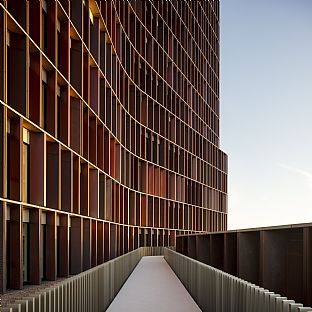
(153, 286)
(137, 282)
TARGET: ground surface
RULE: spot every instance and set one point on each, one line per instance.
(28, 290)
(153, 286)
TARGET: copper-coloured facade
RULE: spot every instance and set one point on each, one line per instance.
(109, 131)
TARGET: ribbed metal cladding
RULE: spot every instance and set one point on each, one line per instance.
(109, 118)
(217, 291)
(264, 256)
(92, 290)
(212, 289)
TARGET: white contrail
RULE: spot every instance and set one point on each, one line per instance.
(304, 173)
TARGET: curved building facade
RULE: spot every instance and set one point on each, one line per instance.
(109, 123)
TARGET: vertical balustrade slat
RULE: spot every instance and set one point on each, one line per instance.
(217, 291)
(212, 289)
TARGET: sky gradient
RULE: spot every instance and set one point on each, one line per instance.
(266, 110)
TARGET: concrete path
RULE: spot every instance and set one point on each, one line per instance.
(153, 286)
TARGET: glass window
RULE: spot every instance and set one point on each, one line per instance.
(58, 43)
(43, 252)
(58, 112)
(8, 253)
(8, 158)
(147, 147)
(44, 98)
(44, 26)
(8, 68)
(25, 252)
(25, 168)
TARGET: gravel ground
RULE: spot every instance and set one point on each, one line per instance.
(12, 295)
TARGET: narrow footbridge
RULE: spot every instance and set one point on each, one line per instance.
(153, 286)
(153, 279)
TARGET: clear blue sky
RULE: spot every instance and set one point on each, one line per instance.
(266, 110)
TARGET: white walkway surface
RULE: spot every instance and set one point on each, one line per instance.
(153, 286)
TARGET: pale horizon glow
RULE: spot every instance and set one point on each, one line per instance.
(266, 110)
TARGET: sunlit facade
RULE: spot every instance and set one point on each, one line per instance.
(109, 131)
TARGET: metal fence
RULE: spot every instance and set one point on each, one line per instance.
(212, 289)
(217, 291)
(92, 290)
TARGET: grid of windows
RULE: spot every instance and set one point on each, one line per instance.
(110, 121)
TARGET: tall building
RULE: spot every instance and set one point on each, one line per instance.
(109, 126)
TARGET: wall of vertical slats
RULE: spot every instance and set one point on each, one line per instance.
(217, 291)
(109, 118)
(212, 289)
(92, 290)
(277, 258)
